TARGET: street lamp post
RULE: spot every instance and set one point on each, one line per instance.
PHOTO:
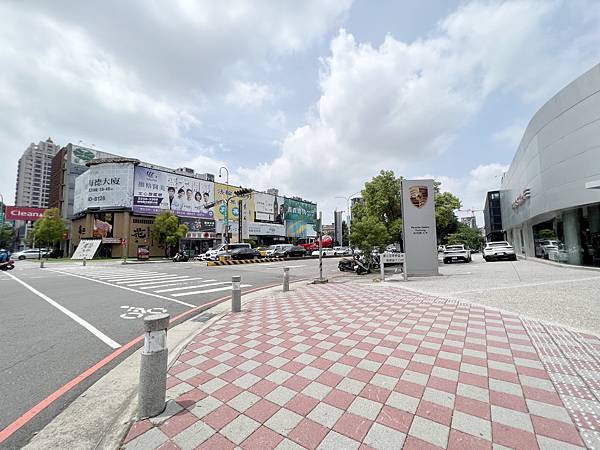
(226, 172)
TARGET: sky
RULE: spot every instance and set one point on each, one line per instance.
(313, 98)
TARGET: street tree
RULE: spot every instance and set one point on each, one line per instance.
(168, 231)
(446, 221)
(50, 229)
(382, 201)
(367, 233)
(6, 235)
(468, 236)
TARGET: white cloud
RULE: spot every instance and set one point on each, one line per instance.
(401, 103)
(245, 94)
(136, 77)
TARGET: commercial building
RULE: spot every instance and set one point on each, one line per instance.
(549, 206)
(492, 214)
(117, 200)
(33, 174)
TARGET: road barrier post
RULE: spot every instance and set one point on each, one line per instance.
(236, 293)
(84, 261)
(41, 263)
(153, 369)
(286, 279)
(381, 266)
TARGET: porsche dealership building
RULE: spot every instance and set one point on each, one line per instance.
(550, 195)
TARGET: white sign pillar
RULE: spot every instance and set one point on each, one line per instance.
(418, 228)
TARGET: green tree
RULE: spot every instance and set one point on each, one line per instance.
(468, 236)
(368, 232)
(382, 200)
(168, 231)
(50, 229)
(446, 221)
(345, 234)
(546, 234)
(6, 235)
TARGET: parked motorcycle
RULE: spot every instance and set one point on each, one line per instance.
(346, 265)
(7, 265)
(180, 257)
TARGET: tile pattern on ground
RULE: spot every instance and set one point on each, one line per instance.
(348, 365)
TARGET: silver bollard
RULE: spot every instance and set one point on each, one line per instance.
(153, 369)
(286, 279)
(41, 263)
(84, 261)
(236, 293)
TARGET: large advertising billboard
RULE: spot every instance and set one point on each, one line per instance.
(300, 217)
(418, 222)
(80, 156)
(156, 191)
(23, 213)
(104, 186)
(268, 208)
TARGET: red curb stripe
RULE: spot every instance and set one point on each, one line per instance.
(35, 410)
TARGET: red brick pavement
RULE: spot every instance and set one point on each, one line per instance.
(356, 366)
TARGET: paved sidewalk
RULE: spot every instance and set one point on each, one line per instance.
(348, 366)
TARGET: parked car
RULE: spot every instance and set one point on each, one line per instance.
(262, 250)
(545, 246)
(494, 251)
(294, 250)
(244, 253)
(455, 253)
(326, 252)
(30, 253)
(277, 247)
(222, 250)
(342, 251)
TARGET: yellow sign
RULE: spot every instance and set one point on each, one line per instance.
(222, 193)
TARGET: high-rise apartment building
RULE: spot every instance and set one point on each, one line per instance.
(33, 174)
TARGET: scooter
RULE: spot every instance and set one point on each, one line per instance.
(180, 257)
(7, 265)
(346, 265)
(360, 267)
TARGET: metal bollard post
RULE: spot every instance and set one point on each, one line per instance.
(153, 369)
(382, 267)
(286, 279)
(84, 261)
(236, 293)
(41, 263)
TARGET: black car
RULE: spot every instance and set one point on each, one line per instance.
(244, 253)
(294, 251)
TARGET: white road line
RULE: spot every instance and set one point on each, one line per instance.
(88, 326)
(207, 291)
(124, 288)
(159, 281)
(290, 267)
(149, 279)
(522, 285)
(154, 286)
(127, 277)
(193, 287)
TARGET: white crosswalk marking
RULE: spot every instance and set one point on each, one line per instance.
(207, 291)
(150, 282)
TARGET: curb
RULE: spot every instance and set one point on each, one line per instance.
(102, 415)
(557, 264)
(233, 262)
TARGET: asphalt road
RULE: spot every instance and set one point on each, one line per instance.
(59, 321)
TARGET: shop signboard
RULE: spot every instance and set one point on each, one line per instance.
(266, 229)
(24, 213)
(86, 249)
(156, 191)
(418, 214)
(222, 193)
(104, 186)
(268, 208)
(198, 224)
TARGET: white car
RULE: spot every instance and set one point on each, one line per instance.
(545, 247)
(277, 247)
(31, 253)
(455, 253)
(222, 250)
(494, 251)
(342, 251)
(326, 252)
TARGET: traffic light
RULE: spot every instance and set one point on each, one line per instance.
(243, 191)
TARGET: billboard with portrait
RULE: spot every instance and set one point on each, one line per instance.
(156, 191)
(104, 186)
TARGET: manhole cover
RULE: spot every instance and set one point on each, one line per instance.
(203, 317)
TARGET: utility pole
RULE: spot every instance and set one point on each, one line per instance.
(320, 238)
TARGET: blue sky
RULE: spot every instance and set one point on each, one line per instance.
(311, 97)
